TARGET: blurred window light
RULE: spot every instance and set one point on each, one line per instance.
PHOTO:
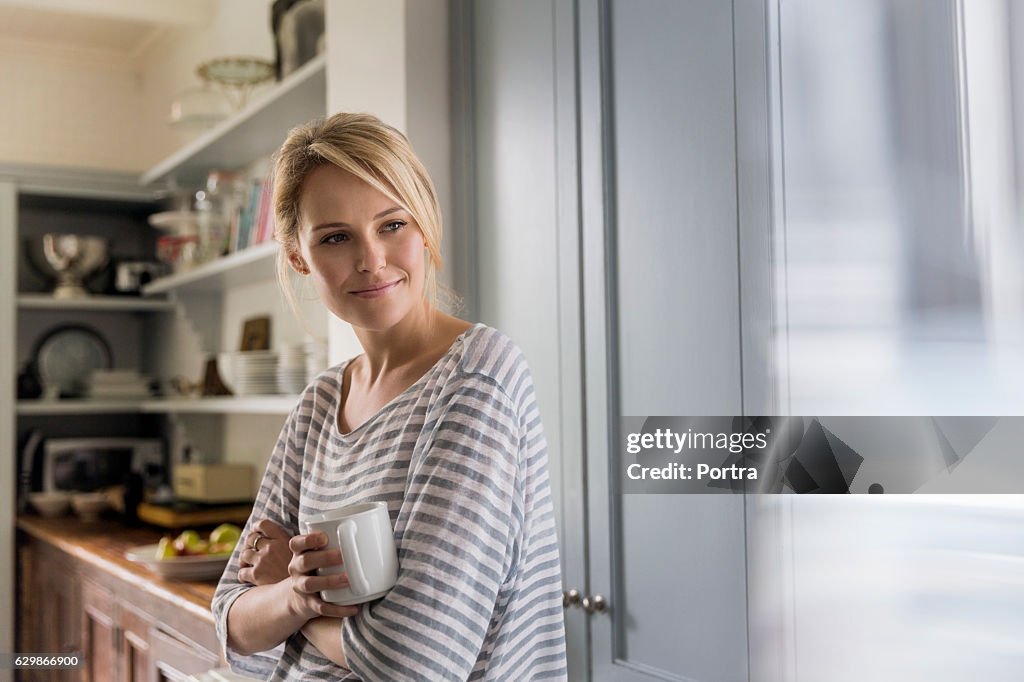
(898, 291)
(898, 257)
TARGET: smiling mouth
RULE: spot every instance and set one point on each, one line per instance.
(378, 289)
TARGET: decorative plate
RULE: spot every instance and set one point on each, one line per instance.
(236, 71)
(69, 354)
(178, 568)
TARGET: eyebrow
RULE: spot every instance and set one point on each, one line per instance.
(380, 215)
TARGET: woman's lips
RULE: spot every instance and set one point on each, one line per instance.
(377, 292)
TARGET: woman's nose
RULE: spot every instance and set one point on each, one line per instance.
(371, 258)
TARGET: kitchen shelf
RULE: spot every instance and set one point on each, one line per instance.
(33, 408)
(254, 264)
(262, 404)
(256, 404)
(96, 303)
(255, 131)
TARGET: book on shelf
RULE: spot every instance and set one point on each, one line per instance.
(247, 217)
(265, 216)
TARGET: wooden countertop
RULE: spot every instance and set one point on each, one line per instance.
(103, 544)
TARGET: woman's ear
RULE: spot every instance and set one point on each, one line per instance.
(298, 264)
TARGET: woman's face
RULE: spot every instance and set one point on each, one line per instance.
(363, 251)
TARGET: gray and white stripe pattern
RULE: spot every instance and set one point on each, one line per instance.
(461, 461)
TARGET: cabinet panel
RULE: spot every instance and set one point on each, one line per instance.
(99, 633)
(47, 618)
(136, 662)
(176, 659)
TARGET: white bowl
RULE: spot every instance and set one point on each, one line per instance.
(50, 504)
(226, 369)
(89, 506)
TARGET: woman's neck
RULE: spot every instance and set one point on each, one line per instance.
(402, 346)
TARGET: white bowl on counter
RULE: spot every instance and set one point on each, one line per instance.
(89, 506)
(50, 504)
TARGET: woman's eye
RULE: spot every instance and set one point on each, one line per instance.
(334, 238)
(394, 226)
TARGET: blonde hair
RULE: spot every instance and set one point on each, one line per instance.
(374, 152)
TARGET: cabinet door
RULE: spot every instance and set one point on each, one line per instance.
(99, 633)
(64, 633)
(174, 658)
(48, 594)
(662, 329)
(136, 661)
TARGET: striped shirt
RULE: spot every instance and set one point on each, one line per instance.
(461, 461)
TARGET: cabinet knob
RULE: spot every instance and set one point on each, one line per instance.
(595, 604)
(571, 598)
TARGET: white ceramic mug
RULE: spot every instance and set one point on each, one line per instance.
(364, 535)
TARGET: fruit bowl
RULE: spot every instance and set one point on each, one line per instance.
(180, 567)
(188, 556)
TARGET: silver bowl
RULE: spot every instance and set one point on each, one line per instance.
(73, 258)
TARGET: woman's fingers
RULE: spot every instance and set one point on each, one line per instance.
(336, 610)
(255, 537)
(312, 605)
(247, 557)
(270, 529)
(314, 559)
(313, 584)
(304, 543)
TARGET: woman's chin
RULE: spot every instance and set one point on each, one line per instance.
(373, 321)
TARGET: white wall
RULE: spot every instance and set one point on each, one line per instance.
(406, 85)
(68, 107)
(107, 109)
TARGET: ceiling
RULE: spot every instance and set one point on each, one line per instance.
(75, 31)
(120, 27)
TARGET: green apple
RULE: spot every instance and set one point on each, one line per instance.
(225, 533)
(185, 542)
(166, 550)
(222, 548)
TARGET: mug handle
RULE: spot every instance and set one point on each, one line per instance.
(350, 555)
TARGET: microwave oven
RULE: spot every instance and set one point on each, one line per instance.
(87, 464)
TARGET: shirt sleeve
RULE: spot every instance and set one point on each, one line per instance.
(457, 536)
(278, 501)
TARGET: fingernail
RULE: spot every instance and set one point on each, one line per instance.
(321, 539)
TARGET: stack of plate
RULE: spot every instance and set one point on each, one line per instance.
(316, 358)
(255, 372)
(291, 370)
(116, 384)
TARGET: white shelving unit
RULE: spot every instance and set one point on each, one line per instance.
(262, 404)
(252, 265)
(96, 303)
(255, 131)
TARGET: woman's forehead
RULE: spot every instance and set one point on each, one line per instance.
(333, 190)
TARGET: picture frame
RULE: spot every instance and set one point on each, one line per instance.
(255, 334)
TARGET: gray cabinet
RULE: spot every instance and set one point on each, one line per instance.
(609, 230)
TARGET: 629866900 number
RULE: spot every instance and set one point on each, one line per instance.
(41, 661)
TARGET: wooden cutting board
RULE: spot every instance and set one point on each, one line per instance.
(188, 515)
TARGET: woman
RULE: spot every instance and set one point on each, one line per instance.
(437, 418)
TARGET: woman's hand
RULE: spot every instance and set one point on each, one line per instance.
(310, 552)
(268, 564)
